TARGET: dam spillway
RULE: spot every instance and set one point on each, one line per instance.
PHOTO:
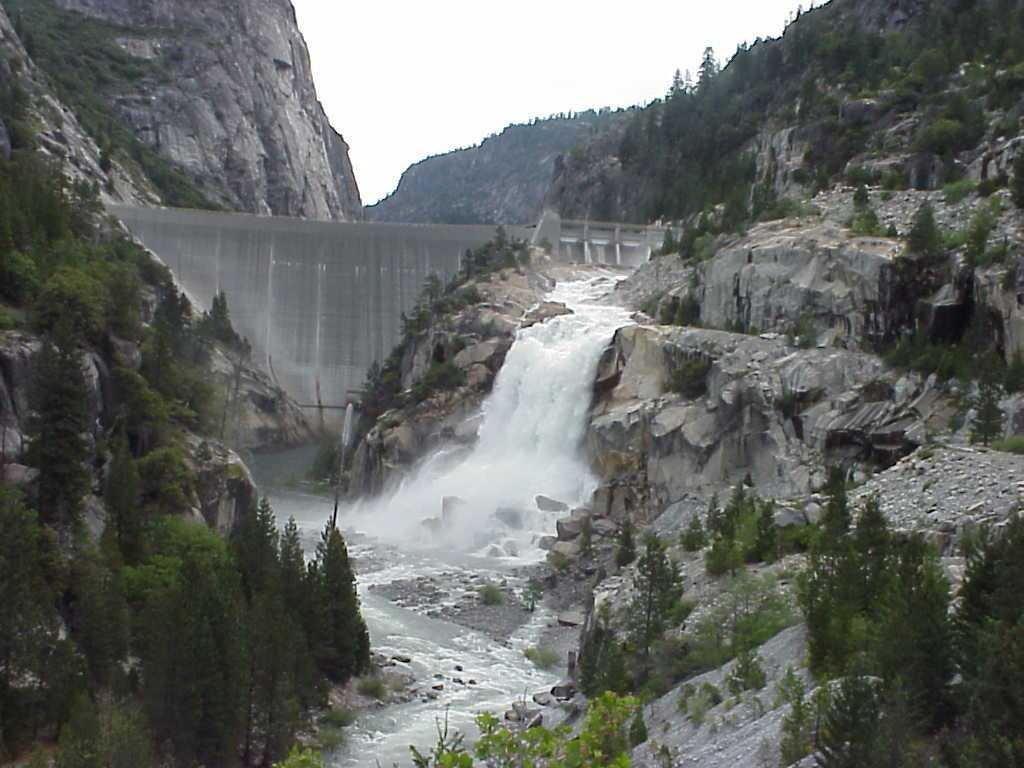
(318, 301)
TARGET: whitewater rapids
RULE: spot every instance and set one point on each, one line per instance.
(529, 441)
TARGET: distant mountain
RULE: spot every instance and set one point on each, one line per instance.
(504, 179)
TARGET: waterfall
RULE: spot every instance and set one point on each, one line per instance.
(529, 441)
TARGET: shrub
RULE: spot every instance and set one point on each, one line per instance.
(491, 594)
(372, 686)
(694, 538)
(440, 377)
(747, 674)
(19, 277)
(958, 191)
(338, 718)
(697, 703)
(690, 378)
(75, 295)
(542, 656)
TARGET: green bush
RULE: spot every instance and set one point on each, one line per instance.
(542, 656)
(372, 686)
(958, 191)
(339, 718)
(72, 295)
(491, 594)
(440, 377)
(690, 378)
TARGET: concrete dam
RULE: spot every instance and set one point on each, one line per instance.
(321, 301)
(318, 301)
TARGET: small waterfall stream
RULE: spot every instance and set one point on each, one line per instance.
(529, 443)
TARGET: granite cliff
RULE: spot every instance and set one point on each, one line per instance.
(221, 93)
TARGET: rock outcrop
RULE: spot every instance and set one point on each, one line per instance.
(57, 133)
(263, 415)
(753, 409)
(235, 107)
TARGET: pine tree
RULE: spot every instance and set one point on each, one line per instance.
(835, 520)
(849, 733)
(924, 238)
(343, 645)
(625, 552)
(694, 538)
(638, 729)
(122, 500)
(872, 542)
(656, 590)
(59, 449)
(80, 737)
(913, 641)
(766, 546)
(987, 424)
(28, 621)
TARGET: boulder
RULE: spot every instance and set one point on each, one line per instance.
(544, 312)
(546, 542)
(787, 517)
(543, 699)
(568, 528)
(513, 518)
(547, 504)
(571, 619)
(483, 353)
(570, 549)
(604, 527)
(18, 475)
(564, 691)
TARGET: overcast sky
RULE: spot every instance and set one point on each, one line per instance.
(405, 79)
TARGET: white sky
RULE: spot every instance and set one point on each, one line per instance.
(404, 79)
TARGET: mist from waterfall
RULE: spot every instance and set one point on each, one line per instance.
(529, 442)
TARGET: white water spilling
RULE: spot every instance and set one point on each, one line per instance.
(528, 443)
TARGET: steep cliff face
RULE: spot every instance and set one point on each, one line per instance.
(503, 180)
(226, 95)
(38, 119)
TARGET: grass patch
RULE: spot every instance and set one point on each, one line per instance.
(1010, 445)
(330, 738)
(490, 594)
(542, 657)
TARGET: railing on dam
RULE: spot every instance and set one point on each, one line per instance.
(318, 301)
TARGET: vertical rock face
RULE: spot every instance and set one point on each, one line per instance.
(237, 109)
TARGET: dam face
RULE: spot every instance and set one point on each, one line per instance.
(318, 301)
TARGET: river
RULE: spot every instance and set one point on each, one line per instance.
(529, 443)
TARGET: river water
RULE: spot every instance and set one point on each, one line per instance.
(529, 443)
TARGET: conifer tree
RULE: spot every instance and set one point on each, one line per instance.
(1017, 183)
(122, 499)
(59, 449)
(343, 645)
(625, 552)
(656, 590)
(924, 238)
(694, 538)
(987, 424)
(849, 733)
